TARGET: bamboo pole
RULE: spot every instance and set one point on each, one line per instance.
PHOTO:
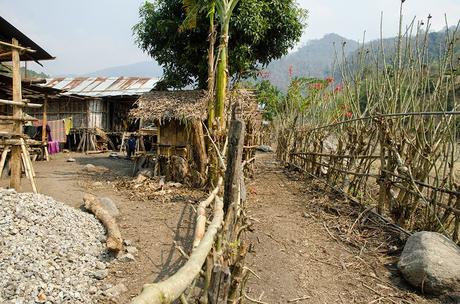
(28, 166)
(3, 160)
(201, 215)
(20, 102)
(15, 46)
(45, 121)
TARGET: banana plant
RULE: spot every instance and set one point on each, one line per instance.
(224, 10)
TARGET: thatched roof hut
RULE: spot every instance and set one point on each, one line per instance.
(161, 106)
(178, 118)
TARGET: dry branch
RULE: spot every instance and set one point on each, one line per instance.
(201, 215)
(114, 240)
(171, 289)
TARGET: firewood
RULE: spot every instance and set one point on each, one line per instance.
(114, 239)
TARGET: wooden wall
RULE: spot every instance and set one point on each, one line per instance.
(85, 113)
(173, 133)
(117, 116)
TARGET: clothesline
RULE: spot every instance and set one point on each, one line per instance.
(59, 129)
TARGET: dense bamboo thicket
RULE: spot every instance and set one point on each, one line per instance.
(387, 133)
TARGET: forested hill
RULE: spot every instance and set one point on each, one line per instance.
(314, 59)
(317, 57)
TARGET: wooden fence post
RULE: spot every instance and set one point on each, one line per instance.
(15, 181)
(234, 160)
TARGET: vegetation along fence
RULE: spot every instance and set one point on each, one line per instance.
(404, 164)
(384, 128)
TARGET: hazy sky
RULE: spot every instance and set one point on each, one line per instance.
(88, 35)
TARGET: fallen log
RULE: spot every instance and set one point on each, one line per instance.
(171, 289)
(114, 241)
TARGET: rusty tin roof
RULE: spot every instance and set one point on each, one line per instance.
(102, 86)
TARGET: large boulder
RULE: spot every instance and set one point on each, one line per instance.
(431, 262)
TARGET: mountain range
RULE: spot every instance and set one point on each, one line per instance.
(314, 59)
(140, 69)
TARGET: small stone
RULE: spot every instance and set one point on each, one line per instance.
(97, 184)
(92, 290)
(116, 290)
(101, 274)
(100, 265)
(128, 242)
(131, 249)
(71, 160)
(41, 298)
(128, 257)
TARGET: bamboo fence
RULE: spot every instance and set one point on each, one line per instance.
(403, 164)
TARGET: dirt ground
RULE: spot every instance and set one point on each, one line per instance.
(307, 244)
(308, 248)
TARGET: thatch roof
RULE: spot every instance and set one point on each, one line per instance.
(184, 105)
(167, 105)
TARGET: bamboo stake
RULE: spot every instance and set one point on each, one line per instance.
(28, 166)
(3, 160)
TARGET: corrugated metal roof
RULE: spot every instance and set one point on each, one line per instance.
(102, 86)
(8, 32)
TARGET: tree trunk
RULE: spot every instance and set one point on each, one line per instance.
(233, 172)
(114, 240)
(222, 75)
(199, 147)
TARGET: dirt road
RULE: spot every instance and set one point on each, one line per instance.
(306, 246)
(297, 254)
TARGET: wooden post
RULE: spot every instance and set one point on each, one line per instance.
(45, 120)
(15, 181)
(199, 147)
(233, 172)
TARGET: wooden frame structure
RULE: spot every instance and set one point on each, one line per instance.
(15, 143)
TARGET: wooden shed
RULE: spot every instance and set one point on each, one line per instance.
(179, 117)
(172, 113)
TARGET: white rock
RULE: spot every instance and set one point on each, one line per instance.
(128, 257)
(116, 290)
(132, 250)
(431, 261)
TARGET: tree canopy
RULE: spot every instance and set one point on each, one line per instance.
(261, 31)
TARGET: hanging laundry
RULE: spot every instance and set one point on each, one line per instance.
(68, 122)
(58, 130)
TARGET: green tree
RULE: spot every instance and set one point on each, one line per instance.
(261, 31)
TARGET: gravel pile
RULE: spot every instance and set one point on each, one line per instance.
(49, 252)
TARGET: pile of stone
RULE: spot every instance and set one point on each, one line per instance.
(49, 252)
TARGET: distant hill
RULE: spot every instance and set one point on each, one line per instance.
(30, 74)
(140, 69)
(314, 59)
